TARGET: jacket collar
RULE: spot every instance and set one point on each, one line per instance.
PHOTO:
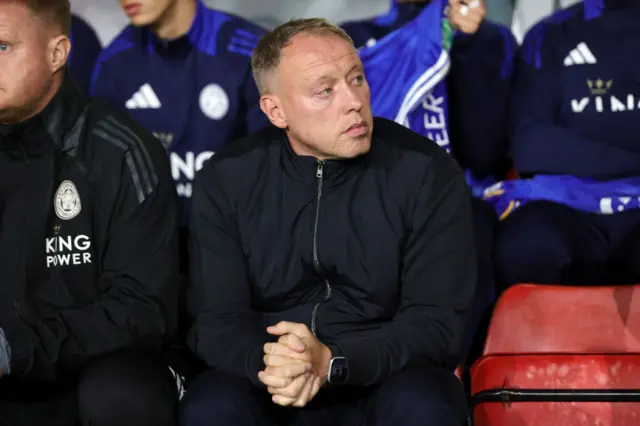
(199, 35)
(304, 168)
(61, 114)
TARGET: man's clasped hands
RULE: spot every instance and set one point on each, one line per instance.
(296, 365)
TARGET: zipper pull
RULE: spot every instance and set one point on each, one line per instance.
(319, 168)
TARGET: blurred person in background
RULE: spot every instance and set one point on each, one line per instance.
(461, 69)
(527, 13)
(84, 52)
(182, 70)
(574, 218)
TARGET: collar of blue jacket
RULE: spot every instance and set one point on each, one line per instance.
(205, 23)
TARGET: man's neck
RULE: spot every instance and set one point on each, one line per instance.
(176, 20)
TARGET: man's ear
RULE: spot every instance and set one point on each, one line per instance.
(272, 107)
(59, 49)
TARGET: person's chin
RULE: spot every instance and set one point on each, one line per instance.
(140, 21)
(357, 147)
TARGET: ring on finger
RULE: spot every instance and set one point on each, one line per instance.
(474, 4)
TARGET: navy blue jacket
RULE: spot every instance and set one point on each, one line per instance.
(195, 93)
(88, 246)
(576, 94)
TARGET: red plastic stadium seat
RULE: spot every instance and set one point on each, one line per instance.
(532, 318)
(525, 385)
(561, 356)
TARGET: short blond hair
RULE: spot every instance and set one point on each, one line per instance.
(53, 12)
(266, 56)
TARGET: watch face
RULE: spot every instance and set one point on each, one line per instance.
(339, 370)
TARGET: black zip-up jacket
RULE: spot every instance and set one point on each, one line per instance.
(88, 245)
(375, 255)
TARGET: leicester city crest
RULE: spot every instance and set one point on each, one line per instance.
(67, 201)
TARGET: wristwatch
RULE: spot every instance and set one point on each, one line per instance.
(338, 370)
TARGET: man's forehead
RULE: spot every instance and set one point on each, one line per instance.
(13, 10)
(314, 53)
(13, 16)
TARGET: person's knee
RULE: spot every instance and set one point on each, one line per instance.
(411, 396)
(127, 389)
(215, 395)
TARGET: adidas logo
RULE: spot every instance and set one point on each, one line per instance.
(144, 98)
(579, 56)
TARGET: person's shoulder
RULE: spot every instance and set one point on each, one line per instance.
(122, 50)
(543, 40)
(243, 159)
(227, 34)
(398, 139)
(113, 141)
(241, 23)
(407, 152)
(127, 40)
(102, 116)
(402, 139)
(555, 24)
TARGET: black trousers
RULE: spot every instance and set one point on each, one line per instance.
(122, 389)
(412, 397)
(549, 243)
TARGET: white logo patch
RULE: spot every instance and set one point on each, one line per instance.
(67, 201)
(144, 98)
(214, 102)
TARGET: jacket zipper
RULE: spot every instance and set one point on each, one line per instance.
(316, 261)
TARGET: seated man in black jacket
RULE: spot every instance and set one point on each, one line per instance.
(88, 249)
(332, 249)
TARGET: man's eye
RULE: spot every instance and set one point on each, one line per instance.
(4, 47)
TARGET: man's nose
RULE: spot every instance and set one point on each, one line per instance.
(353, 100)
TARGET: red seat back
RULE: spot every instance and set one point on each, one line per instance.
(532, 318)
(571, 340)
